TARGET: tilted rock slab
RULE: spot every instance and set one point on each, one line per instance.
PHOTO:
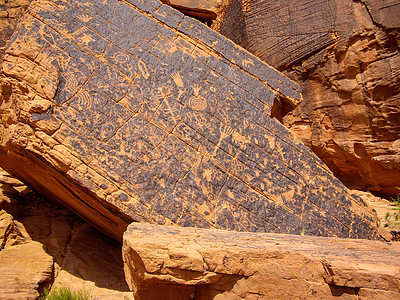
(129, 111)
(165, 262)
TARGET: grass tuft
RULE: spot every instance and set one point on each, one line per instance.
(64, 293)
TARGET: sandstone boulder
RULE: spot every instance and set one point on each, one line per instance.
(130, 111)
(164, 262)
(345, 56)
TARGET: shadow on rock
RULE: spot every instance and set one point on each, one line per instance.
(84, 258)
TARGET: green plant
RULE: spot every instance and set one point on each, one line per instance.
(394, 218)
(64, 293)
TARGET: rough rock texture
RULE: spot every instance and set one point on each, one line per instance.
(10, 12)
(165, 262)
(23, 270)
(345, 56)
(167, 124)
(43, 245)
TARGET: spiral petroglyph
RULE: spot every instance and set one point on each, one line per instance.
(197, 102)
(83, 100)
(121, 57)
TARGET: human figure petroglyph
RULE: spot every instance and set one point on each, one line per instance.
(84, 18)
(168, 109)
(225, 131)
(176, 77)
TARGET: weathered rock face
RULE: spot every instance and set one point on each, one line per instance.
(43, 245)
(345, 56)
(11, 11)
(129, 111)
(189, 263)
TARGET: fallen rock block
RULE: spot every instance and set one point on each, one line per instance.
(165, 262)
(130, 111)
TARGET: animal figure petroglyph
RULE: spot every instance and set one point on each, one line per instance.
(143, 69)
(246, 62)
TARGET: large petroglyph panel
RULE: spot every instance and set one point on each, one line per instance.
(130, 111)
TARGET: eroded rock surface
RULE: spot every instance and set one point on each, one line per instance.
(345, 56)
(11, 11)
(129, 111)
(164, 262)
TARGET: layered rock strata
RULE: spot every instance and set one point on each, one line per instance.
(345, 56)
(164, 262)
(129, 111)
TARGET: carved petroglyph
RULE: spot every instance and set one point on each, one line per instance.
(84, 18)
(224, 131)
(121, 57)
(176, 77)
(197, 102)
(143, 69)
(83, 100)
